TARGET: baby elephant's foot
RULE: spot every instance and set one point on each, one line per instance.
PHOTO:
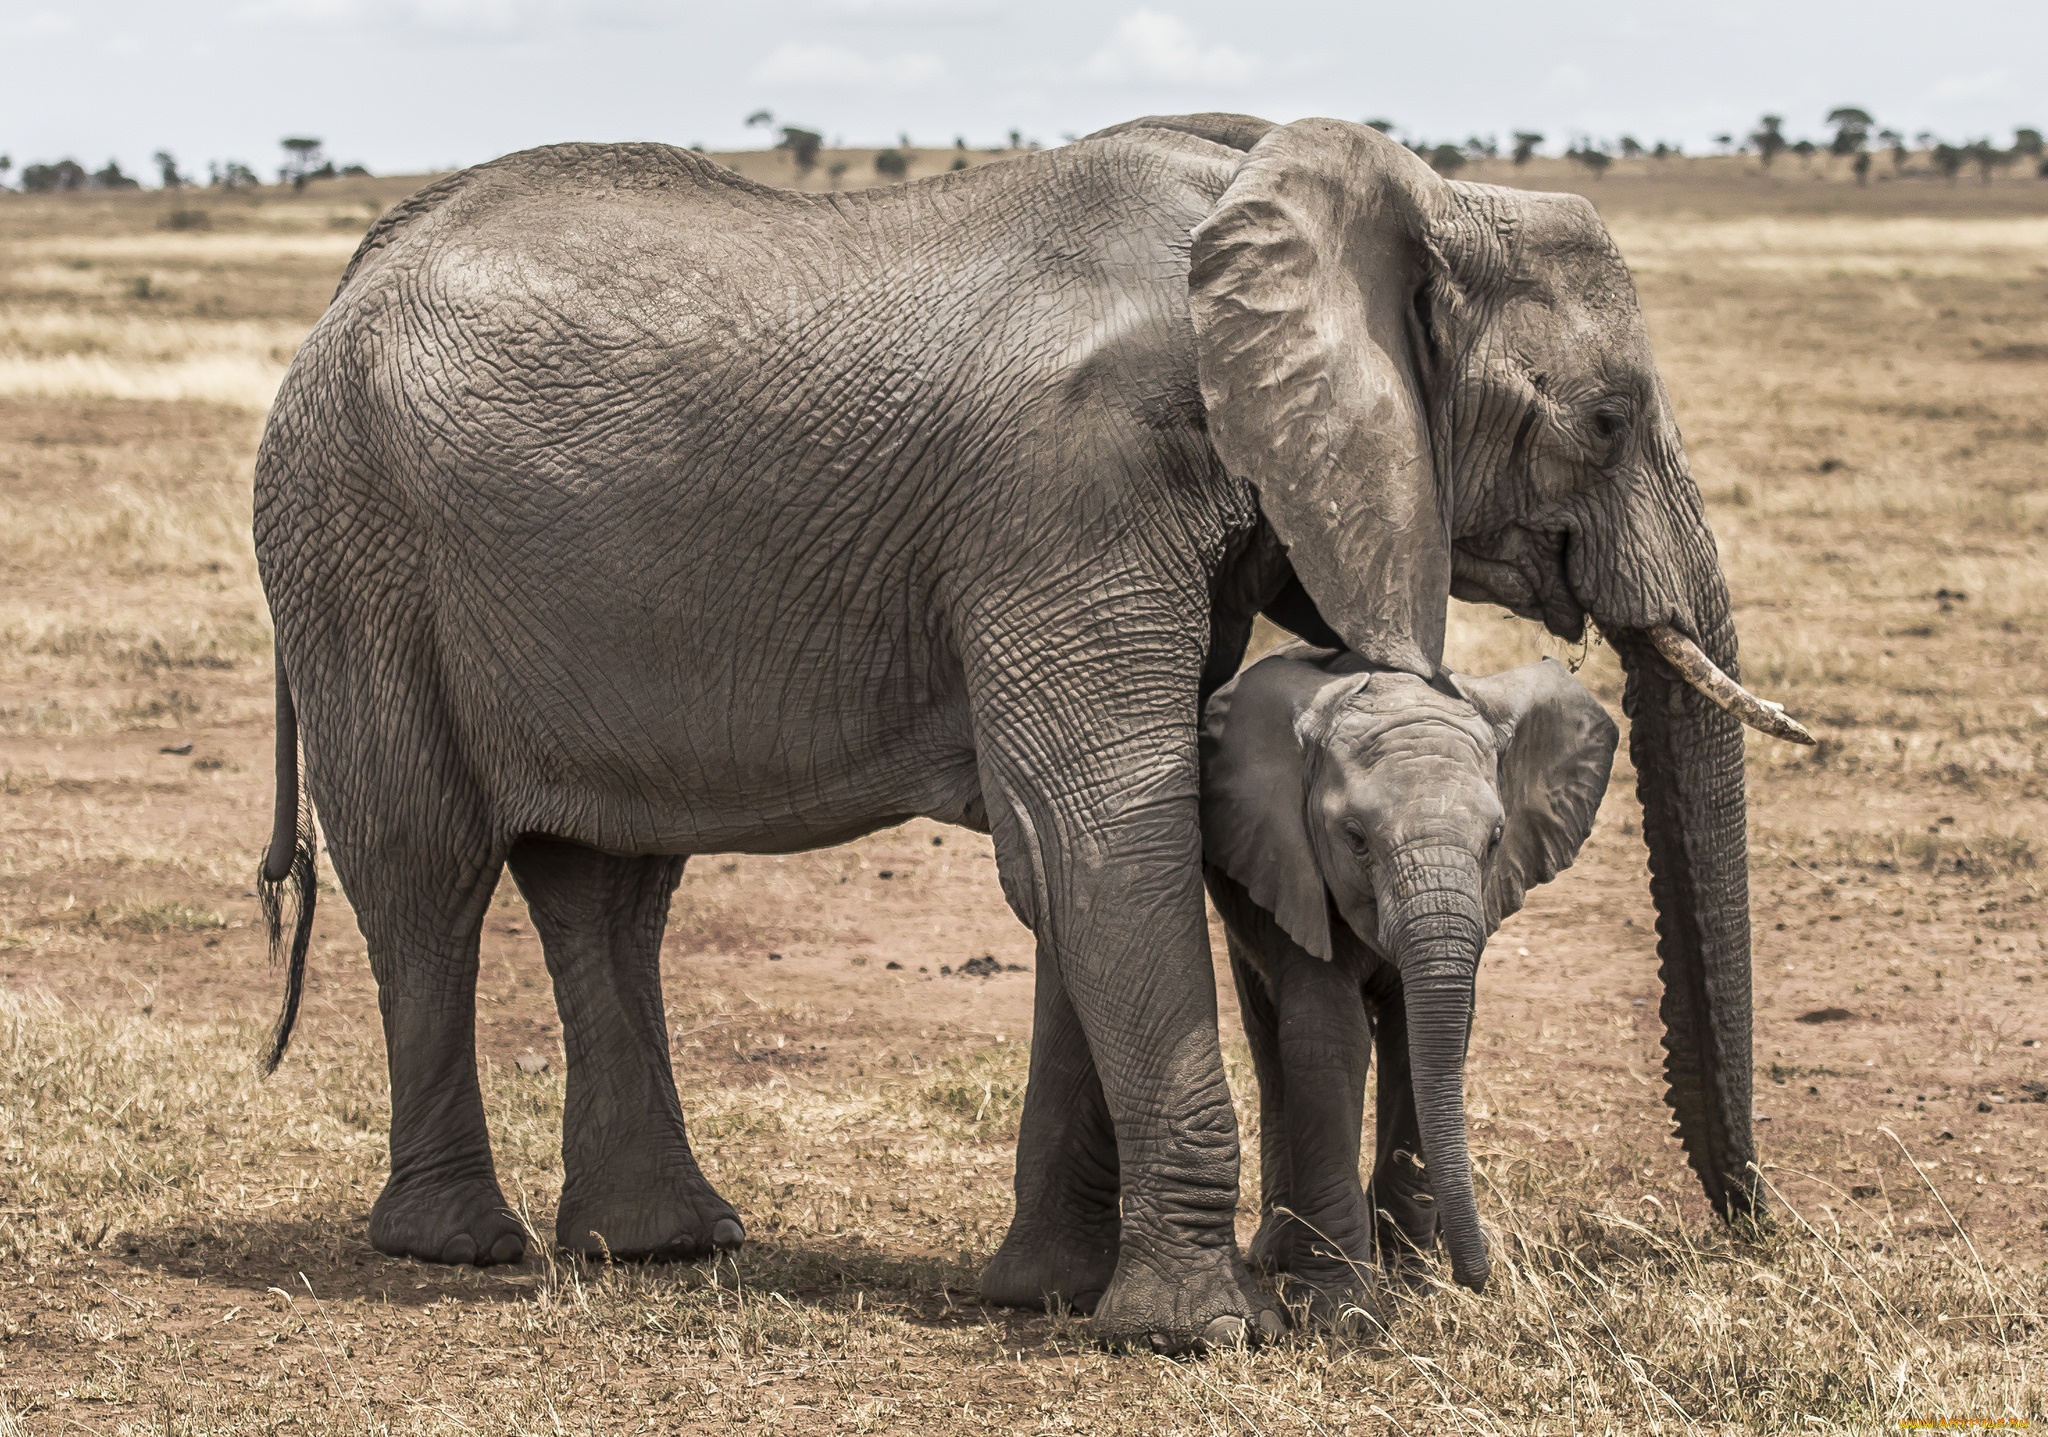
(1272, 1249)
(1196, 1304)
(1342, 1302)
(462, 1221)
(1032, 1269)
(676, 1222)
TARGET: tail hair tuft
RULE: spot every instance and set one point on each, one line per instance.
(288, 901)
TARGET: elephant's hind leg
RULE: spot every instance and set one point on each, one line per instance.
(422, 912)
(631, 1187)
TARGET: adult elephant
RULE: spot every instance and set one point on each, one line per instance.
(619, 509)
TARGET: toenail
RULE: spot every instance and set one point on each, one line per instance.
(461, 1248)
(1161, 1346)
(1270, 1324)
(509, 1248)
(1224, 1332)
(727, 1232)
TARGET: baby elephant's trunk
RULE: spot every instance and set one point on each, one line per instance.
(1433, 926)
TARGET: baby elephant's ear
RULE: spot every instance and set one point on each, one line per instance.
(1254, 791)
(1556, 751)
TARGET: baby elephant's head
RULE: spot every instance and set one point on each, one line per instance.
(1420, 817)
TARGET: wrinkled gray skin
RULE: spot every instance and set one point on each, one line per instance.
(1364, 834)
(619, 509)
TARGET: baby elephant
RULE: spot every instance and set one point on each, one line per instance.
(1364, 834)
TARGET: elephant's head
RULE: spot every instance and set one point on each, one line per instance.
(1441, 388)
(1421, 818)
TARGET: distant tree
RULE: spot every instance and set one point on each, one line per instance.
(167, 170)
(1444, 159)
(803, 147)
(1593, 157)
(6, 164)
(1852, 130)
(959, 162)
(301, 159)
(761, 120)
(49, 179)
(1016, 139)
(1862, 167)
(1385, 127)
(1526, 142)
(1897, 144)
(1769, 138)
(110, 177)
(2025, 141)
(1486, 149)
(234, 175)
(960, 142)
(355, 172)
(1806, 149)
(1666, 152)
(838, 171)
(1724, 143)
(892, 164)
(1949, 160)
(1987, 157)
(1631, 148)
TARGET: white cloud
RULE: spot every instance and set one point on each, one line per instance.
(1988, 84)
(1151, 47)
(42, 25)
(465, 19)
(888, 11)
(833, 67)
(1566, 79)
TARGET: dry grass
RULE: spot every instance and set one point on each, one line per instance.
(144, 1154)
(182, 1247)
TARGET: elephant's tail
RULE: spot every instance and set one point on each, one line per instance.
(289, 877)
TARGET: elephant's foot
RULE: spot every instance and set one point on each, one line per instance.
(462, 1221)
(674, 1221)
(1197, 1303)
(1272, 1249)
(1334, 1296)
(1032, 1268)
(1405, 1215)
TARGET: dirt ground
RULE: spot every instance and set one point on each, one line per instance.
(1860, 375)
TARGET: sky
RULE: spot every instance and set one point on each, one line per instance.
(410, 85)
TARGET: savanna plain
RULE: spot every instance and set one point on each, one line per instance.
(1862, 377)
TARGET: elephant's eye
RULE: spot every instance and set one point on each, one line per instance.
(1611, 423)
(1354, 839)
(1494, 842)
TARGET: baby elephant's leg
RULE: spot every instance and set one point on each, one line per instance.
(1273, 1249)
(1325, 1049)
(1404, 1207)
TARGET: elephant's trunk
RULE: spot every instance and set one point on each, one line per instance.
(1687, 754)
(1432, 925)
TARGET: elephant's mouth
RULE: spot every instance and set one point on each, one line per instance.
(1528, 572)
(1522, 570)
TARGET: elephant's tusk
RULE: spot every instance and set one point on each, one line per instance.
(1705, 675)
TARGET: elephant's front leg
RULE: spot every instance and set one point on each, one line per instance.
(1272, 1250)
(1325, 1050)
(1109, 878)
(631, 1187)
(1062, 1243)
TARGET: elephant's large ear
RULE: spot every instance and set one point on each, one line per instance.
(1557, 750)
(1254, 790)
(1311, 284)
